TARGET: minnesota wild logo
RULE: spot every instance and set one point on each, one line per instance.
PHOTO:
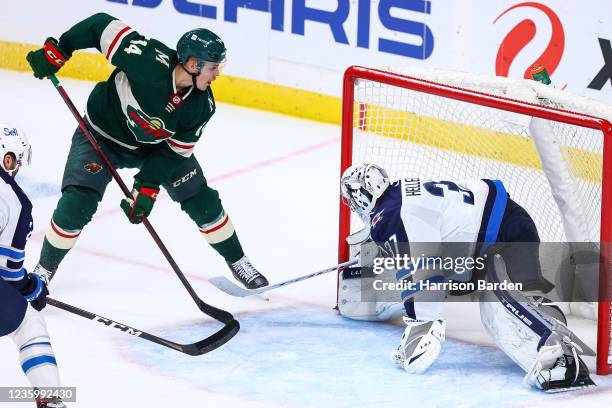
(146, 129)
(93, 167)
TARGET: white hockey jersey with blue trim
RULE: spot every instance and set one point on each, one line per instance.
(16, 226)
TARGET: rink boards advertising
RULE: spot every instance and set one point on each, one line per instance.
(297, 50)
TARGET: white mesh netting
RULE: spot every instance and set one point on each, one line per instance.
(415, 133)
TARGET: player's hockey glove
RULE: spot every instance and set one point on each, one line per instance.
(34, 290)
(48, 59)
(140, 207)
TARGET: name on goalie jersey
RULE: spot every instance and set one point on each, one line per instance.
(412, 187)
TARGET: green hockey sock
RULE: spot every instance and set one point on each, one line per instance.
(50, 256)
(230, 249)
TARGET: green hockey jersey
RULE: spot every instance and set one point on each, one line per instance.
(138, 107)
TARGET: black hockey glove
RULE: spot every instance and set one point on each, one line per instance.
(48, 59)
(35, 291)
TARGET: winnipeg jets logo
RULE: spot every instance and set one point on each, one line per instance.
(377, 218)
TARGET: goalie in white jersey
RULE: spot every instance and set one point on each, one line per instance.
(404, 218)
(22, 294)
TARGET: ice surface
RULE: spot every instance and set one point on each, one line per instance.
(277, 177)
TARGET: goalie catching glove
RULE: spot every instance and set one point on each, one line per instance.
(47, 60)
(140, 207)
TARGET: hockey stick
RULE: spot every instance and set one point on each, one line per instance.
(218, 314)
(227, 286)
(193, 349)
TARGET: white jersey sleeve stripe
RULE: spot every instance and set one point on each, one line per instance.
(11, 253)
(182, 148)
(12, 275)
(112, 36)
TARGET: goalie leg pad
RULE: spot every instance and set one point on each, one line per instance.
(534, 335)
(351, 306)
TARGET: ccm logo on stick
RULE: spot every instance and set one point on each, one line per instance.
(336, 19)
(110, 323)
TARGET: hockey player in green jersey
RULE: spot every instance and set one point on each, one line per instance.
(148, 115)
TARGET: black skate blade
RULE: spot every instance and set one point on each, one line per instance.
(555, 388)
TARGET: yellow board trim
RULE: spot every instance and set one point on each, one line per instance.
(239, 91)
(328, 109)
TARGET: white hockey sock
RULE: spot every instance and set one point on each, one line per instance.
(218, 230)
(35, 351)
(61, 238)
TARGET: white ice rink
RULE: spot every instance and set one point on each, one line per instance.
(277, 177)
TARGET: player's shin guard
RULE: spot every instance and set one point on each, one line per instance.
(35, 352)
(206, 211)
(74, 210)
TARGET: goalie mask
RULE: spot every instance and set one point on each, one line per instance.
(14, 141)
(361, 185)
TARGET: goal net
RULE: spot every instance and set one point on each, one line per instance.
(549, 147)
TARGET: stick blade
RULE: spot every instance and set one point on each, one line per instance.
(213, 342)
(229, 287)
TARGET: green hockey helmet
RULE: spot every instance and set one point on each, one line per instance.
(202, 44)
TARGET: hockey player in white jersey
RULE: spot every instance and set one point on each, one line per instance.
(22, 294)
(405, 217)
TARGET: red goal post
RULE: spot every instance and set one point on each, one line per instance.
(355, 116)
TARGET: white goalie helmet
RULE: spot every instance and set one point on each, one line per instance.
(13, 140)
(361, 185)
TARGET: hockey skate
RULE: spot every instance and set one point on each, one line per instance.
(420, 345)
(245, 273)
(44, 274)
(559, 368)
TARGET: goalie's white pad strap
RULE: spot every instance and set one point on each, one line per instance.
(218, 230)
(61, 238)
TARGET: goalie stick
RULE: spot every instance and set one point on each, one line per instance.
(231, 325)
(229, 287)
(193, 349)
